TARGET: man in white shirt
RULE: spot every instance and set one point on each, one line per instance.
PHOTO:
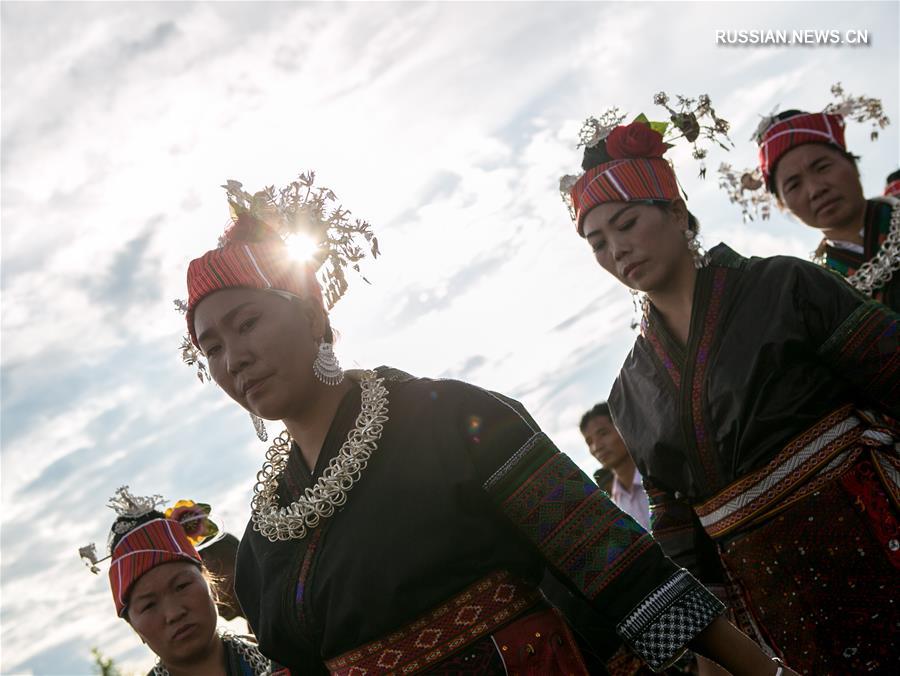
(607, 447)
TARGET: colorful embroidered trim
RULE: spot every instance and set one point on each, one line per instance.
(867, 344)
(661, 625)
(823, 451)
(625, 180)
(668, 363)
(571, 521)
(706, 451)
(476, 612)
(149, 545)
(254, 265)
(795, 131)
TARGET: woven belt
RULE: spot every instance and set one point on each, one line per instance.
(814, 458)
(470, 615)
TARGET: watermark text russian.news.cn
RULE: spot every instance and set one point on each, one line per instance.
(807, 36)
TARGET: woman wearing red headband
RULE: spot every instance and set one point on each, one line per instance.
(750, 404)
(400, 524)
(161, 588)
(805, 164)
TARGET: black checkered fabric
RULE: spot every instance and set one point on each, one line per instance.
(659, 629)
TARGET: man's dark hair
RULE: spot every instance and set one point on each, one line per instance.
(601, 409)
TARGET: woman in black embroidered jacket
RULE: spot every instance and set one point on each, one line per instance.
(806, 166)
(401, 525)
(757, 403)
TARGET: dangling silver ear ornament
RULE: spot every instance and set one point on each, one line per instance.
(326, 366)
(641, 304)
(701, 258)
(260, 426)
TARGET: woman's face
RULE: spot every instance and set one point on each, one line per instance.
(820, 186)
(641, 245)
(170, 607)
(260, 348)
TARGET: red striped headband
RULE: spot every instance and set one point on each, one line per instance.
(256, 265)
(798, 130)
(892, 189)
(623, 180)
(149, 545)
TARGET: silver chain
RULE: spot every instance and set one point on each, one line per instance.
(330, 491)
(875, 273)
(878, 271)
(250, 652)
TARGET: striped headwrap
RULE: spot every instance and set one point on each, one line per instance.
(623, 180)
(787, 134)
(892, 189)
(149, 545)
(259, 262)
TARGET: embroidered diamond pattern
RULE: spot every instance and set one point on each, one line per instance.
(504, 593)
(357, 671)
(429, 638)
(389, 658)
(468, 615)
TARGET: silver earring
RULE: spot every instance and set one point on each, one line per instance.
(641, 307)
(701, 258)
(260, 427)
(326, 366)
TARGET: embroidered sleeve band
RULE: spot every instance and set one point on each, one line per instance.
(572, 522)
(662, 624)
(865, 348)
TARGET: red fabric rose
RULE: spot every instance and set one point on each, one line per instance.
(633, 141)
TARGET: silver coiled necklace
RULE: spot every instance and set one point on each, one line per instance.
(319, 501)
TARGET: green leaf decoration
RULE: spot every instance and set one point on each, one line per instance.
(661, 127)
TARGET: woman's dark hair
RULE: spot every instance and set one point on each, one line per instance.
(787, 114)
(665, 205)
(595, 155)
(893, 176)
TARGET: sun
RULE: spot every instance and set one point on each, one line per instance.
(300, 247)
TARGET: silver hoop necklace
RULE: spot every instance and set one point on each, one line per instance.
(878, 271)
(330, 492)
(250, 652)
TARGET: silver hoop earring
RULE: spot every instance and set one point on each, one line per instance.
(326, 367)
(260, 426)
(701, 258)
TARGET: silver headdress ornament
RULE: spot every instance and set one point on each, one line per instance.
(300, 209)
(593, 130)
(746, 188)
(128, 508)
(692, 119)
(765, 121)
(697, 121)
(858, 109)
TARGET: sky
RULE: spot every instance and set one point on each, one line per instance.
(445, 125)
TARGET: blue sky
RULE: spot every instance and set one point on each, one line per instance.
(445, 125)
